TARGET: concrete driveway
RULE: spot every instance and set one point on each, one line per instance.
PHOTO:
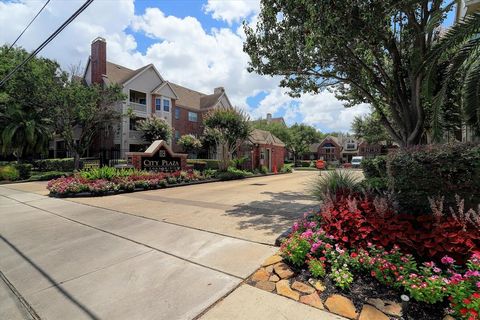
(164, 254)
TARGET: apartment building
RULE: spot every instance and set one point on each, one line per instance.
(148, 93)
(342, 148)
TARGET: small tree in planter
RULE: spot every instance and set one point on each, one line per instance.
(228, 127)
(190, 143)
(154, 128)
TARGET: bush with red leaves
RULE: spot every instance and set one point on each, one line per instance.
(357, 221)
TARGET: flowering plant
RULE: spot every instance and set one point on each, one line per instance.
(116, 181)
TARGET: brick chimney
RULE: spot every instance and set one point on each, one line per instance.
(218, 90)
(98, 58)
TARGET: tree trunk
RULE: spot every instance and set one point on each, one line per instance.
(76, 160)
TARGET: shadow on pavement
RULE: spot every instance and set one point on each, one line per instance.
(276, 214)
(52, 281)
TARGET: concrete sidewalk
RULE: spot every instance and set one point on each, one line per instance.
(71, 261)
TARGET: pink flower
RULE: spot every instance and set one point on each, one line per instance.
(295, 227)
(307, 234)
(437, 270)
(447, 260)
(478, 284)
(471, 273)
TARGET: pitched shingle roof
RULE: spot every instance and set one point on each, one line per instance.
(119, 74)
(264, 137)
(193, 99)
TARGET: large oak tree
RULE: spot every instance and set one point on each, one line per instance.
(367, 51)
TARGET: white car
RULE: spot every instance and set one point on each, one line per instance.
(356, 162)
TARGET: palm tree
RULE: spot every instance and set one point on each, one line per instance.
(457, 54)
(24, 132)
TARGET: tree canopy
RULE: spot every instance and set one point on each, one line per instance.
(302, 136)
(368, 51)
(228, 127)
(154, 128)
(27, 103)
(370, 129)
(83, 112)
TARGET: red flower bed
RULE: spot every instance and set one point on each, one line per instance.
(358, 222)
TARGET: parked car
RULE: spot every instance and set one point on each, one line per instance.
(356, 162)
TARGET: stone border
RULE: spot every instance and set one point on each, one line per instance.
(276, 277)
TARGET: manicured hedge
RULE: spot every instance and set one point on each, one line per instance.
(209, 163)
(435, 171)
(65, 164)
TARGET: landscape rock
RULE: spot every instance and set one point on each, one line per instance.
(302, 287)
(265, 285)
(283, 271)
(272, 260)
(312, 300)
(269, 269)
(283, 288)
(388, 307)
(371, 313)
(342, 306)
(317, 284)
(448, 317)
(261, 275)
(274, 278)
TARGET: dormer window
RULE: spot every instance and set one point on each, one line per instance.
(158, 104)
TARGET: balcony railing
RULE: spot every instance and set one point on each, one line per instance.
(137, 135)
(138, 107)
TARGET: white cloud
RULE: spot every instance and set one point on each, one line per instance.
(185, 53)
(232, 10)
(321, 111)
(182, 50)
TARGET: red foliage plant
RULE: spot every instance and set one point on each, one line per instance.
(357, 221)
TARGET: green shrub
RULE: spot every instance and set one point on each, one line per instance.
(9, 172)
(375, 168)
(287, 168)
(263, 170)
(295, 250)
(24, 170)
(65, 164)
(316, 268)
(49, 175)
(238, 162)
(332, 183)
(106, 173)
(435, 171)
(210, 163)
(232, 174)
(303, 163)
(376, 185)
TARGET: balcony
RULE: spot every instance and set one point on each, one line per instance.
(138, 108)
(135, 135)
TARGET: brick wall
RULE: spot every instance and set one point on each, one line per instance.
(184, 126)
(329, 157)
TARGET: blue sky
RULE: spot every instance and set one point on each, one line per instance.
(194, 43)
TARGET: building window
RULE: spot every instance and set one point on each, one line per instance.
(177, 135)
(192, 116)
(166, 105)
(158, 104)
(350, 146)
(177, 113)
